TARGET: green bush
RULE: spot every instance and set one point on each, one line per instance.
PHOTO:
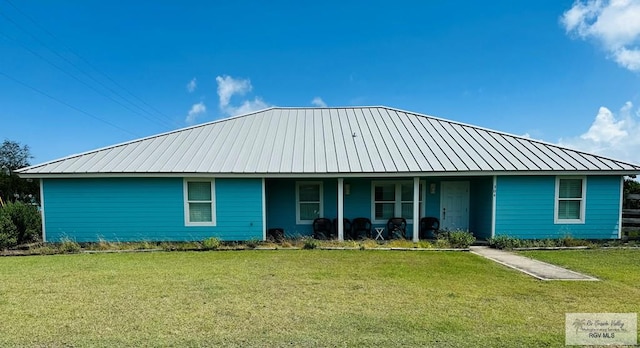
(25, 223)
(504, 242)
(461, 239)
(211, 243)
(309, 243)
(8, 232)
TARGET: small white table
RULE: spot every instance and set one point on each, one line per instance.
(379, 232)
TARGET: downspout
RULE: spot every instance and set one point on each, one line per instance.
(44, 232)
(493, 206)
(340, 209)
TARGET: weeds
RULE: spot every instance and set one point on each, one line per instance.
(69, 246)
(211, 243)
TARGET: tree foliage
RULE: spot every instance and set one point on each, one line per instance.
(14, 156)
(631, 186)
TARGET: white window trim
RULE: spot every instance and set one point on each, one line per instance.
(398, 198)
(320, 213)
(185, 190)
(583, 201)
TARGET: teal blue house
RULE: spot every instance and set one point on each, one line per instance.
(283, 167)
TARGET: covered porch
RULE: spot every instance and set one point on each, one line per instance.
(459, 203)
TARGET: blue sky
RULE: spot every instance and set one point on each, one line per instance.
(79, 75)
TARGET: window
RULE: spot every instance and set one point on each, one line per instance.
(308, 201)
(570, 199)
(199, 203)
(394, 199)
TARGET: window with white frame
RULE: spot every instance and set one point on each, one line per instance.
(308, 201)
(570, 199)
(199, 202)
(394, 199)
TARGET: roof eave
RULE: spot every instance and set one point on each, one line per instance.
(326, 175)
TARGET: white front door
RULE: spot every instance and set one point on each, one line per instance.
(454, 205)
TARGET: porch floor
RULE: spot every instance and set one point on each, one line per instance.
(534, 268)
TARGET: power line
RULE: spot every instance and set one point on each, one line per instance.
(170, 123)
(65, 103)
(75, 77)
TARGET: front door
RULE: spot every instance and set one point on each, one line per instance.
(454, 205)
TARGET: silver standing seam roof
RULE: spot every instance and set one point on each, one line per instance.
(342, 141)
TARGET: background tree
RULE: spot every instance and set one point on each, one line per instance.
(631, 186)
(15, 156)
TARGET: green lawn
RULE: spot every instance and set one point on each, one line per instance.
(302, 298)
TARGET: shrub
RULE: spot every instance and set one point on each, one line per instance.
(504, 242)
(69, 246)
(25, 226)
(461, 239)
(8, 232)
(211, 243)
(309, 243)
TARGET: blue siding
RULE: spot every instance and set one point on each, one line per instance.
(525, 208)
(480, 206)
(281, 205)
(480, 202)
(152, 209)
(281, 209)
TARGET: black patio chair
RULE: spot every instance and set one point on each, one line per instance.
(346, 225)
(361, 228)
(429, 227)
(322, 228)
(397, 228)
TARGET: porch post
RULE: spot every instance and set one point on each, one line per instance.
(340, 209)
(416, 209)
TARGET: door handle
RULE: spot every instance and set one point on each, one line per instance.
(444, 213)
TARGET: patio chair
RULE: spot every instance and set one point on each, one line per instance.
(429, 227)
(346, 225)
(322, 228)
(361, 228)
(397, 228)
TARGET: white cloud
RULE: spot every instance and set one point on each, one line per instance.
(196, 110)
(317, 101)
(229, 87)
(615, 24)
(246, 107)
(611, 135)
(192, 85)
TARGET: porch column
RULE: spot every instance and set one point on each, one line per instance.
(416, 209)
(340, 209)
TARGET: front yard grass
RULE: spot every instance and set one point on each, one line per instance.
(302, 298)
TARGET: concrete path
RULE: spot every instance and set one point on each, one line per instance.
(534, 268)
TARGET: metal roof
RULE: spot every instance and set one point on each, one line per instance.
(362, 141)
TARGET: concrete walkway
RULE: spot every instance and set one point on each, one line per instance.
(534, 268)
